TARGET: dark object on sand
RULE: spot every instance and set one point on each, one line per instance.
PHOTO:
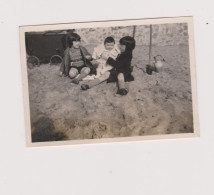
(122, 91)
(44, 131)
(75, 81)
(149, 69)
(84, 87)
(46, 46)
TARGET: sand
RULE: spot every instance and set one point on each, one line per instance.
(160, 103)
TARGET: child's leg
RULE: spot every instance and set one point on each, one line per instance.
(97, 81)
(99, 70)
(121, 80)
(108, 67)
(73, 73)
(105, 69)
(121, 84)
(83, 73)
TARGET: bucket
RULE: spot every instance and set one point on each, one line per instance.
(149, 69)
(158, 63)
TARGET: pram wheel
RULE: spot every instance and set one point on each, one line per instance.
(32, 61)
(55, 60)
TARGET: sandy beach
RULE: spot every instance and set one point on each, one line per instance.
(160, 103)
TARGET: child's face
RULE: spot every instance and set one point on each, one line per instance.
(122, 48)
(109, 46)
(76, 44)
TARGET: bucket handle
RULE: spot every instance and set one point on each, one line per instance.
(158, 56)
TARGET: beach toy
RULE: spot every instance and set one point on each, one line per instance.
(158, 60)
(158, 63)
(149, 69)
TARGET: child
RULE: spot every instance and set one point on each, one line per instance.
(121, 70)
(102, 53)
(76, 60)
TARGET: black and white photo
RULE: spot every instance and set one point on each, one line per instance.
(109, 81)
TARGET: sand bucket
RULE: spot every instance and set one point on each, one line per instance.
(158, 63)
(149, 69)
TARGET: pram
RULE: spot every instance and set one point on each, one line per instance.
(45, 47)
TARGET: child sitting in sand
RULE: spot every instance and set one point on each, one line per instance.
(102, 53)
(76, 61)
(121, 70)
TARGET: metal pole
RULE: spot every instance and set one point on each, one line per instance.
(150, 44)
(134, 30)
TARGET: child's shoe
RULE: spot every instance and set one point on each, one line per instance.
(75, 81)
(84, 86)
(123, 91)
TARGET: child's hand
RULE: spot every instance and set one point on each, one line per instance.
(102, 72)
(88, 57)
(113, 56)
(105, 55)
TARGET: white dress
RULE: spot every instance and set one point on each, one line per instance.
(98, 54)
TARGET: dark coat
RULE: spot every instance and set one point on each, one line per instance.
(122, 64)
(66, 63)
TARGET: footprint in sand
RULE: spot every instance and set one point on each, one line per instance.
(155, 121)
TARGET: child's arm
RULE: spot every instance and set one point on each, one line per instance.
(105, 55)
(114, 53)
(99, 69)
(86, 54)
(95, 54)
(122, 63)
(88, 57)
(111, 61)
(98, 51)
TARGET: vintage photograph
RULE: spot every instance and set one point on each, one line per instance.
(109, 81)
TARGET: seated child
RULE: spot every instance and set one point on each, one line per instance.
(102, 53)
(121, 70)
(76, 60)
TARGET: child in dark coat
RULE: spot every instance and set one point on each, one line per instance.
(121, 71)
